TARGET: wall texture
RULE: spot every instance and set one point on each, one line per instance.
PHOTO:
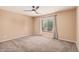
(66, 24)
(14, 25)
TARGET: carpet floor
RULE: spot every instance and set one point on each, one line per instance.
(37, 44)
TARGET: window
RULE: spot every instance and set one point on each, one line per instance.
(47, 23)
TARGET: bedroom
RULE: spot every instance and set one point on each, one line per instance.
(23, 29)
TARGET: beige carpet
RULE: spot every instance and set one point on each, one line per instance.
(37, 44)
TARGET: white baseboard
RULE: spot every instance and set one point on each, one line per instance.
(68, 40)
(15, 38)
(60, 39)
(37, 34)
(77, 44)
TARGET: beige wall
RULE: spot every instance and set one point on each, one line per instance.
(77, 27)
(36, 25)
(14, 25)
(66, 24)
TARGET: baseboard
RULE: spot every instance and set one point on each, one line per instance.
(15, 38)
(37, 34)
(59, 38)
(67, 40)
(77, 44)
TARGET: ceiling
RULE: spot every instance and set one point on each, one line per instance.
(42, 9)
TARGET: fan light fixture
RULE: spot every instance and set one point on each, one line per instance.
(34, 8)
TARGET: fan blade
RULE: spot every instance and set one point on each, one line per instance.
(37, 7)
(27, 10)
(36, 12)
(33, 6)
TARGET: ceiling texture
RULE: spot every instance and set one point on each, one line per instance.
(42, 9)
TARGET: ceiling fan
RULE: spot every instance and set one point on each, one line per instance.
(34, 8)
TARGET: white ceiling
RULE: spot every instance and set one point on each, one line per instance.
(42, 9)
